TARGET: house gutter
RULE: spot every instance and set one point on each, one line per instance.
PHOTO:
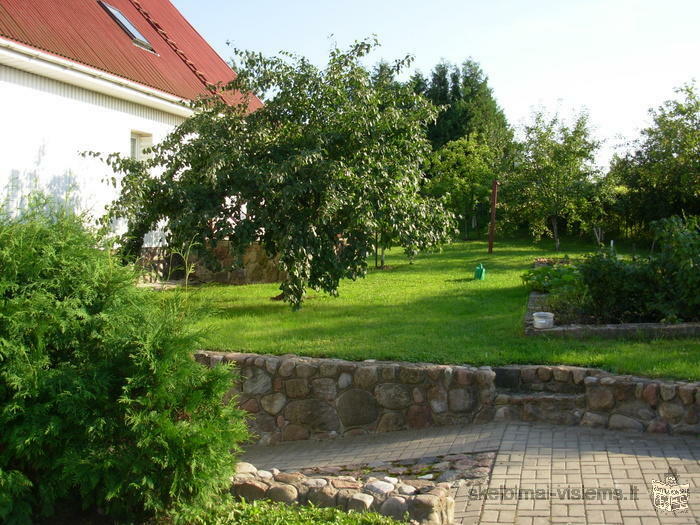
(25, 58)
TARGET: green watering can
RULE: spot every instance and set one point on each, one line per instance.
(480, 273)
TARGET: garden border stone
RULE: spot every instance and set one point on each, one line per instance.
(536, 303)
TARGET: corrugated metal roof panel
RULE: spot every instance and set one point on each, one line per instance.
(82, 31)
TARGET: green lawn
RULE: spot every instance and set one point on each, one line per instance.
(430, 311)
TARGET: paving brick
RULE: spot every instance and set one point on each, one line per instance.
(529, 456)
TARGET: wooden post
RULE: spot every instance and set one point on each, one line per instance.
(492, 224)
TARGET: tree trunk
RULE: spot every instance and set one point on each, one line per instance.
(555, 232)
(599, 234)
(466, 225)
(382, 258)
(376, 251)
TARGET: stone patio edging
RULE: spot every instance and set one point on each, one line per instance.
(292, 398)
(424, 503)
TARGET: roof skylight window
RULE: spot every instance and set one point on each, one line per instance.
(129, 28)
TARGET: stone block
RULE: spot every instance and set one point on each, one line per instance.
(324, 388)
(323, 497)
(328, 369)
(273, 403)
(426, 509)
(650, 394)
(356, 408)
(388, 372)
(544, 373)
(297, 388)
(411, 374)
(578, 375)
(256, 381)
(591, 419)
(391, 421)
(393, 396)
(561, 374)
(286, 368)
(263, 422)
(671, 412)
(460, 400)
(394, 507)
(360, 502)
(600, 398)
(272, 364)
(620, 422)
(686, 393)
(683, 428)
(658, 426)
(463, 376)
(507, 377)
(379, 488)
(344, 381)
(417, 395)
(485, 377)
(366, 377)
(283, 493)
(437, 397)
(245, 468)
(418, 416)
(667, 391)
(250, 490)
(305, 370)
(251, 405)
(295, 433)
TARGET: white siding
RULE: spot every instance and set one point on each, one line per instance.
(45, 124)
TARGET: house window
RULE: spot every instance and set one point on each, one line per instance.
(140, 142)
(130, 29)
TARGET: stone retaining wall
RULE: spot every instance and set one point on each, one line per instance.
(592, 397)
(256, 267)
(293, 398)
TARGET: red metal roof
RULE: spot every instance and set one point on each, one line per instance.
(82, 31)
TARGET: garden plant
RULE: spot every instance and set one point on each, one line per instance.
(102, 406)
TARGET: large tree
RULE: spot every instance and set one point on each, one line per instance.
(552, 174)
(461, 172)
(662, 172)
(469, 107)
(331, 159)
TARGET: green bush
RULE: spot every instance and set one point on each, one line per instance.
(266, 513)
(664, 286)
(620, 291)
(101, 403)
(547, 278)
(676, 269)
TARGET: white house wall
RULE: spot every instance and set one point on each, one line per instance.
(44, 126)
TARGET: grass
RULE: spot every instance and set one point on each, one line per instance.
(430, 311)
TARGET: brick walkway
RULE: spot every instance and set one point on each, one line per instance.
(550, 459)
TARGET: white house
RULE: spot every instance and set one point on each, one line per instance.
(92, 75)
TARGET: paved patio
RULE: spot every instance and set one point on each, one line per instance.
(556, 461)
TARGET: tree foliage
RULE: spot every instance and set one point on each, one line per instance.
(470, 108)
(662, 172)
(331, 161)
(553, 170)
(462, 172)
(101, 403)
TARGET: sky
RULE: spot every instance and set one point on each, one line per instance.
(614, 59)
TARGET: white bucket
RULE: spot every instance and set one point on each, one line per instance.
(543, 319)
